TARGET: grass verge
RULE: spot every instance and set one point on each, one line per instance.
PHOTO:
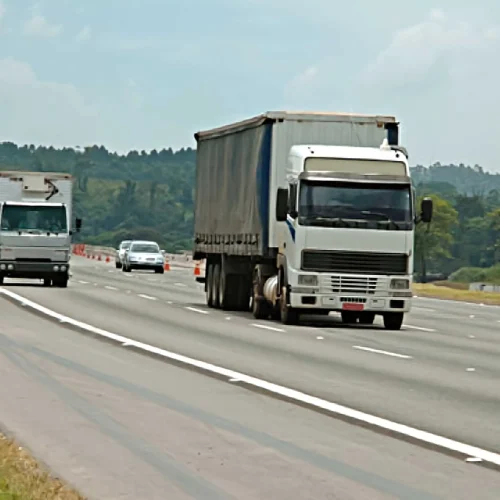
(21, 478)
(439, 290)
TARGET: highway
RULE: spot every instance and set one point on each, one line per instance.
(120, 424)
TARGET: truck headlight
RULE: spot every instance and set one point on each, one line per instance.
(308, 280)
(400, 284)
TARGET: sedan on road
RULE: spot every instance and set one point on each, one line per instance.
(120, 252)
(144, 255)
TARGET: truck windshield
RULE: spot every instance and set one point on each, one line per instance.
(348, 201)
(34, 218)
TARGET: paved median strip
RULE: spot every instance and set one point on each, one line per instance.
(463, 449)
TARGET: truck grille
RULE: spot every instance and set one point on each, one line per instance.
(354, 262)
(349, 285)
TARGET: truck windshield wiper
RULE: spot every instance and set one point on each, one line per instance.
(381, 215)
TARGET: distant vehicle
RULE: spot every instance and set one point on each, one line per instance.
(36, 226)
(120, 252)
(143, 255)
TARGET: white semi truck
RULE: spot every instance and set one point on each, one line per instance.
(36, 226)
(307, 213)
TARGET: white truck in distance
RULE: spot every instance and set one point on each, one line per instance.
(35, 226)
(307, 228)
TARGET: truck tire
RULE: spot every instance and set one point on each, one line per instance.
(1, 280)
(289, 315)
(159, 270)
(224, 290)
(61, 282)
(47, 282)
(260, 306)
(393, 320)
(118, 265)
(215, 285)
(209, 285)
(367, 318)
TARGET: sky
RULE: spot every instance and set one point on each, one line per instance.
(148, 74)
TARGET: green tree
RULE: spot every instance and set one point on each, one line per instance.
(434, 241)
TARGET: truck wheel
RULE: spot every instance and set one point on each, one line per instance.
(47, 282)
(61, 282)
(260, 307)
(215, 285)
(367, 318)
(227, 293)
(393, 321)
(348, 317)
(159, 270)
(118, 265)
(209, 285)
(1, 280)
(289, 315)
(125, 269)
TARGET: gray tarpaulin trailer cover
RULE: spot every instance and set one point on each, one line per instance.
(240, 166)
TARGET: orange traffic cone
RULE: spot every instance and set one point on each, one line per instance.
(166, 266)
(108, 259)
(197, 271)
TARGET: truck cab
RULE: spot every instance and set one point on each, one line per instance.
(347, 236)
(35, 226)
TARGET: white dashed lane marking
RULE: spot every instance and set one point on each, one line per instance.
(378, 351)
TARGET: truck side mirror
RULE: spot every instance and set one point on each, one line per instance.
(281, 204)
(78, 225)
(426, 210)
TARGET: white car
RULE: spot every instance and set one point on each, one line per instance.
(144, 255)
(120, 252)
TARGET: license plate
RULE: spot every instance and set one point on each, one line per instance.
(352, 306)
(150, 260)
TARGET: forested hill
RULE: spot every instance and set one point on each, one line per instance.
(144, 195)
(150, 195)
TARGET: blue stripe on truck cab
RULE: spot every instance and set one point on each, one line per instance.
(264, 181)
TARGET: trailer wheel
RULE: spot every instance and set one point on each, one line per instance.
(215, 285)
(209, 285)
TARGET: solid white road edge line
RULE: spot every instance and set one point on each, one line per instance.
(417, 434)
(110, 287)
(378, 351)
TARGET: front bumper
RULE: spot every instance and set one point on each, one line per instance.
(147, 266)
(33, 269)
(358, 293)
(349, 302)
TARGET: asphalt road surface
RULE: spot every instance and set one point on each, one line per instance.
(119, 424)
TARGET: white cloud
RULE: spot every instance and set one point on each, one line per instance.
(38, 26)
(84, 34)
(439, 77)
(44, 112)
(426, 50)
